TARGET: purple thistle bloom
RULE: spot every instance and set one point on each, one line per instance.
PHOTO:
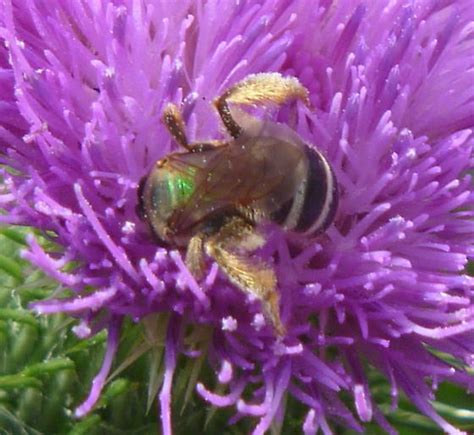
(82, 88)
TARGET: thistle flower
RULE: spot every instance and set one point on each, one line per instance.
(82, 87)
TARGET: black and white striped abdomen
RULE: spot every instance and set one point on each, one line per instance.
(314, 205)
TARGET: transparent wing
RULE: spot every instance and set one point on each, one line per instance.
(251, 172)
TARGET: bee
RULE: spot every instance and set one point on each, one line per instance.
(212, 197)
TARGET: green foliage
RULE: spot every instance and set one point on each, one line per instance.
(45, 372)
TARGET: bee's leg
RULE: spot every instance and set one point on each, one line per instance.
(258, 89)
(174, 123)
(197, 147)
(251, 275)
(194, 256)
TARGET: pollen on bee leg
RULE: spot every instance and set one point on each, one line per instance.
(252, 275)
(252, 241)
(257, 89)
(267, 88)
(271, 309)
(194, 259)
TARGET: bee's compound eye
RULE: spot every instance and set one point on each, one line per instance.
(140, 207)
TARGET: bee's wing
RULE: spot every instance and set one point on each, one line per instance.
(206, 197)
(256, 172)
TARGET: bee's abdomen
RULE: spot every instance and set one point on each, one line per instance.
(314, 205)
(321, 195)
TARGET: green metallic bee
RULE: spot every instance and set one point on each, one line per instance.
(212, 196)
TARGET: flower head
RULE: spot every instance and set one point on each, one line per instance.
(82, 87)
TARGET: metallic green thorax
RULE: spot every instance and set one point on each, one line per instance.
(180, 188)
(173, 189)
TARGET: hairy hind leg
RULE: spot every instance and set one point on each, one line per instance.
(258, 89)
(252, 275)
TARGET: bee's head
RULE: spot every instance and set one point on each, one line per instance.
(160, 194)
